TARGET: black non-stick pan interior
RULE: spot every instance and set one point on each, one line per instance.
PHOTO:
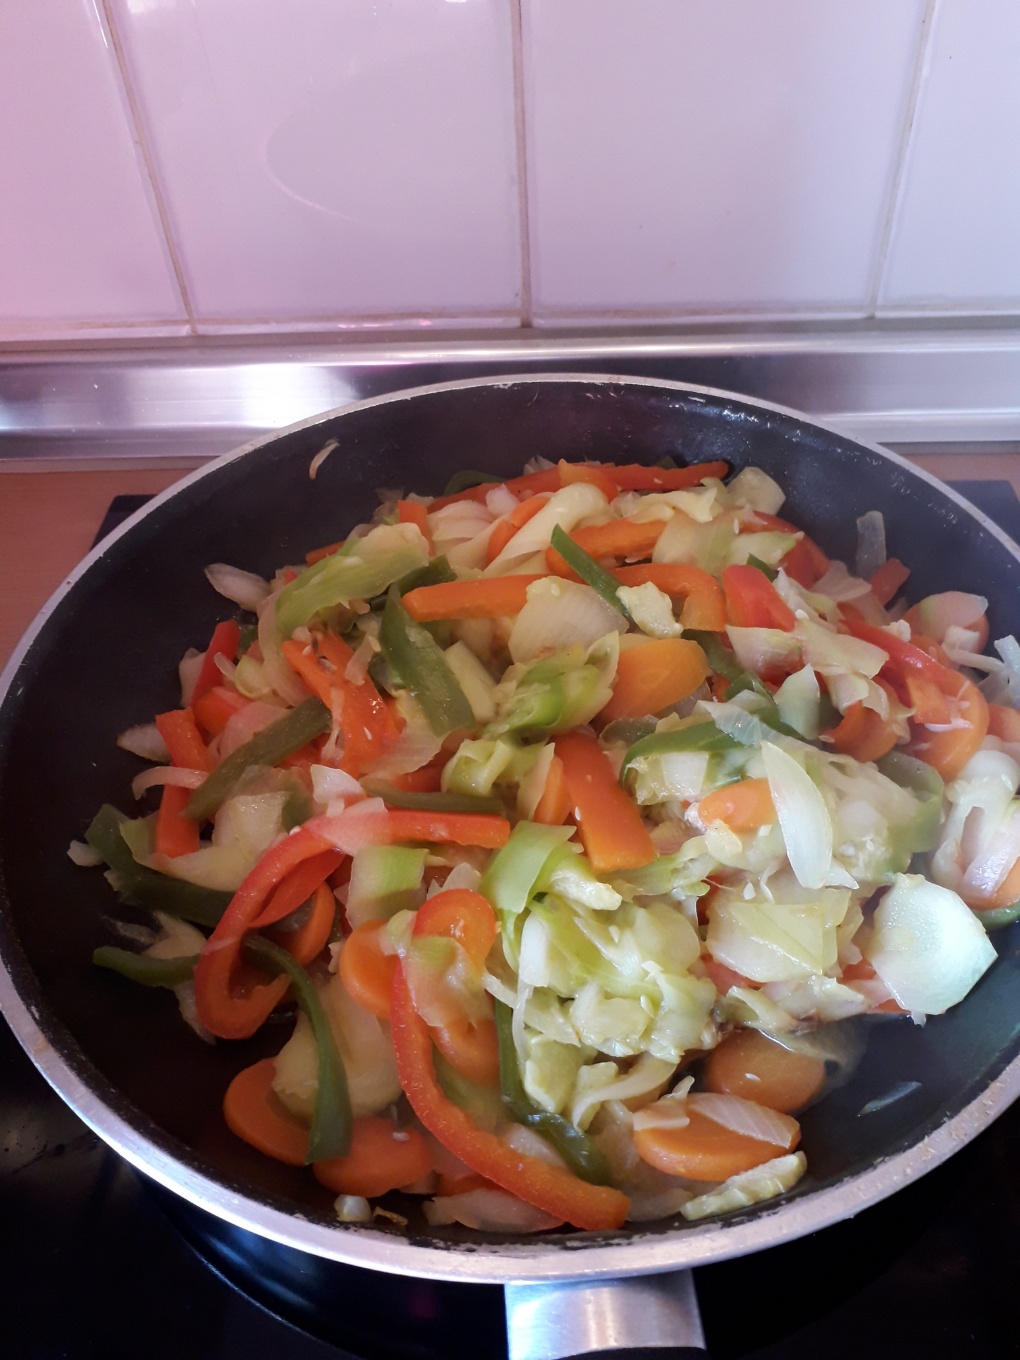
(106, 659)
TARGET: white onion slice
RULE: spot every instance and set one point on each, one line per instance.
(78, 852)
(242, 587)
(747, 1118)
(145, 741)
(559, 614)
(489, 1211)
(166, 774)
(803, 816)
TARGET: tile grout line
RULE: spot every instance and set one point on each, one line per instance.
(520, 142)
(897, 189)
(148, 162)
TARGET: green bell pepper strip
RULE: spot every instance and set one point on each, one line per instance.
(144, 968)
(997, 917)
(143, 887)
(417, 663)
(330, 1133)
(464, 481)
(700, 736)
(268, 747)
(579, 1151)
(769, 572)
(430, 802)
(438, 572)
(588, 569)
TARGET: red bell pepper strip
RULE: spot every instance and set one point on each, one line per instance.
(805, 563)
(547, 1187)
(612, 832)
(230, 999)
(183, 740)
(297, 887)
(224, 642)
(175, 833)
(637, 477)
(917, 678)
(372, 823)
(752, 601)
(214, 709)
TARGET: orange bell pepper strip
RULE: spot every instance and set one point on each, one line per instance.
(752, 601)
(612, 832)
(183, 740)
(863, 733)
(553, 807)
(224, 642)
(619, 538)
(231, 1000)
(704, 604)
(175, 833)
(653, 675)
(485, 597)
(531, 484)
(547, 1187)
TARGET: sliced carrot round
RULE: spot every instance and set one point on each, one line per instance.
(752, 1065)
(948, 747)
(254, 1112)
(382, 1158)
(743, 806)
(366, 970)
(704, 1150)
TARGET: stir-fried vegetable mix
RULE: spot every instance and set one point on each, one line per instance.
(578, 814)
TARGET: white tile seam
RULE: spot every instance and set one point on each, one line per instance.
(897, 191)
(140, 137)
(521, 149)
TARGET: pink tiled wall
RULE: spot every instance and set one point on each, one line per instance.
(184, 167)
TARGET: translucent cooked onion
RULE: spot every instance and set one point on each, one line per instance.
(747, 1118)
(278, 674)
(488, 1211)
(803, 816)
(871, 552)
(243, 725)
(559, 614)
(166, 774)
(244, 588)
(145, 741)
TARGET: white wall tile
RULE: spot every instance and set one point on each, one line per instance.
(331, 160)
(725, 158)
(956, 243)
(80, 243)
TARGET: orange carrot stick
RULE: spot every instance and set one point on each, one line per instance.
(743, 806)
(486, 597)
(183, 740)
(612, 832)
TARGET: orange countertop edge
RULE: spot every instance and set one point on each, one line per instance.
(48, 519)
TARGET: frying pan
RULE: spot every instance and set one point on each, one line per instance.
(101, 657)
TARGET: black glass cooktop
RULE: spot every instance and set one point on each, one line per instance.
(96, 1262)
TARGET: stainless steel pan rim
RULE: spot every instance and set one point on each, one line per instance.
(629, 1253)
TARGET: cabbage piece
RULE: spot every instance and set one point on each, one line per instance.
(563, 691)
(803, 816)
(599, 1082)
(246, 825)
(365, 1047)
(753, 488)
(650, 609)
(780, 940)
(364, 567)
(561, 614)
(926, 945)
(568, 507)
(550, 1070)
(763, 1182)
